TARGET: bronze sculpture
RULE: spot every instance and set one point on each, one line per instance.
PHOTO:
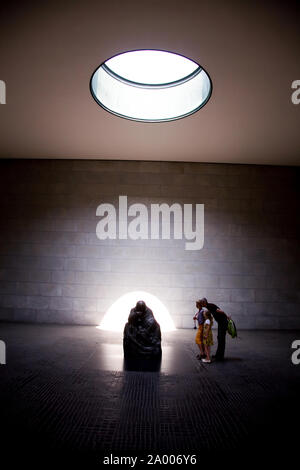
(142, 335)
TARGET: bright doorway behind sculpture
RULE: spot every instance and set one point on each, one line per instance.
(117, 314)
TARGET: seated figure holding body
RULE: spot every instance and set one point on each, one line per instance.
(142, 335)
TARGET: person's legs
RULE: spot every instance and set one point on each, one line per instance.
(199, 340)
(207, 352)
(222, 329)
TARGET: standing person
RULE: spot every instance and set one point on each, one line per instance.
(222, 320)
(207, 334)
(199, 335)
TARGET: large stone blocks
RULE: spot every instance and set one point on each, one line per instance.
(53, 268)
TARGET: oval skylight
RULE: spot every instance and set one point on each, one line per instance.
(150, 85)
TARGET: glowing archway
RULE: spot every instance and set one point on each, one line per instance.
(117, 314)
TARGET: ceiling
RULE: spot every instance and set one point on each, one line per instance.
(49, 50)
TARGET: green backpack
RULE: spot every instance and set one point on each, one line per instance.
(231, 328)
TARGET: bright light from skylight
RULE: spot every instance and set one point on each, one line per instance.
(151, 67)
(117, 314)
(151, 85)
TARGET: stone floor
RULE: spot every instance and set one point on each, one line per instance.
(66, 396)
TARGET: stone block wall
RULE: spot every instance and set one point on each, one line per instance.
(53, 268)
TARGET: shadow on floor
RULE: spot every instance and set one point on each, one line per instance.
(234, 359)
(142, 364)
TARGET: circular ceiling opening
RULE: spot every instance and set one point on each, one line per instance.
(151, 86)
